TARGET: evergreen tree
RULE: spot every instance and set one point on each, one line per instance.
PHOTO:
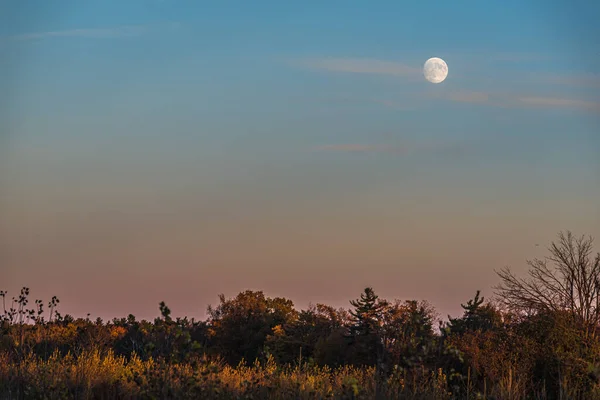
(367, 313)
(366, 334)
(477, 316)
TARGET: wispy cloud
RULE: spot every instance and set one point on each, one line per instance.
(520, 57)
(403, 149)
(90, 33)
(561, 103)
(464, 96)
(112, 32)
(355, 148)
(394, 105)
(511, 100)
(469, 97)
(583, 80)
(492, 98)
(361, 66)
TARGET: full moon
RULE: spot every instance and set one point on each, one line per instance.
(435, 70)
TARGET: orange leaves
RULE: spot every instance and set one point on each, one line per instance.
(117, 332)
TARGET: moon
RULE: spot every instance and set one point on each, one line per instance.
(435, 70)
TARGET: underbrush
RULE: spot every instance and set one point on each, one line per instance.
(92, 375)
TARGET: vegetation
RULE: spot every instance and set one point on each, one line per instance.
(539, 340)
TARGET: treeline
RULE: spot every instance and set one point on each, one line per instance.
(537, 340)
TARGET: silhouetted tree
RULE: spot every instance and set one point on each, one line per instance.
(298, 339)
(567, 280)
(238, 327)
(477, 316)
(408, 332)
(366, 334)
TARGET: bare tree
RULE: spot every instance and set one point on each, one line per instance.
(567, 280)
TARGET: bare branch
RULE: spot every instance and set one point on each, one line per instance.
(567, 280)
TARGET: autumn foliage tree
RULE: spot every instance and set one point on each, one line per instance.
(310, 337)
(408, 334)
(239, 327)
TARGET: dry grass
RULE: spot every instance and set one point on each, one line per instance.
(92, 375)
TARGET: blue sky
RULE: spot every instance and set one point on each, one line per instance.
(227, 145)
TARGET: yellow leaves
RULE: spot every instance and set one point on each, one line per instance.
(278, 330)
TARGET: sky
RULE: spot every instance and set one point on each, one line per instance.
(174, 150)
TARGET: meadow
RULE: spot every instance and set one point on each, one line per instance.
(538, 339)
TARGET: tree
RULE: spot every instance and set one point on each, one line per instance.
(477, 316)
(367, 314)
(408, 332)
(366, 334)
(567, 280)
(306, 336)
(477, 345)
(239, 327)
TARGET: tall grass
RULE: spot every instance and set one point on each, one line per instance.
(94, 375)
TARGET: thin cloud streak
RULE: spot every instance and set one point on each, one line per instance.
(503, 100)
(584, 80)
(469, 97)
(355, 148)
(520, 57)
(123, 31)
(382, 67)
(561, 103)
(465, 96)
(394, 105)
(387, 148)
(361, 66)
(96, 33)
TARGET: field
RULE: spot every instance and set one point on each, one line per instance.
(534, 342)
